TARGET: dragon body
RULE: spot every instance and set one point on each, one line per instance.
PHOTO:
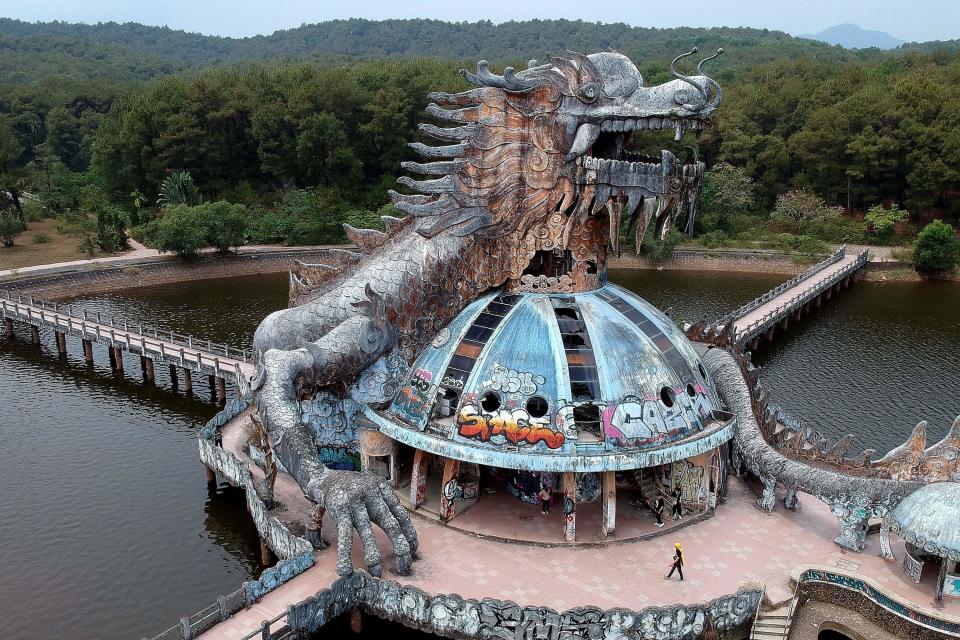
(532, 172)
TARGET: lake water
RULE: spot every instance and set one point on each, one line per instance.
(109, 530)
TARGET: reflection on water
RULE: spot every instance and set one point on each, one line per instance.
(109, 530)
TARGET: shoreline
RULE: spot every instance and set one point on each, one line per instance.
(147, 267)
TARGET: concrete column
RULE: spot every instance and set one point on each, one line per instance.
(146, 365)
(8, 328)
(213, 388)
(188, 382)
(221, 390)
(570, 506)
(770, 332)
(418, 479)
(448, 488)
(88, 351)
(173, 376)
(117, 358)
(61, 343)
(34, 334)
(609, 503)
(266, 554)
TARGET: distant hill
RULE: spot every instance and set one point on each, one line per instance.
(853, 37)
(131, 51)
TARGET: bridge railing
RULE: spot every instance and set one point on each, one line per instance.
(780, 311)
(146, 331)
(759, 301)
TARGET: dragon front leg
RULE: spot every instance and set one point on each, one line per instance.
(354, 500)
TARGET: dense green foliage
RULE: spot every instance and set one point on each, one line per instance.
(10, 228)
(937, 248)
(306, 128)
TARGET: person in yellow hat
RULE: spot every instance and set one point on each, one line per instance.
(677, 562)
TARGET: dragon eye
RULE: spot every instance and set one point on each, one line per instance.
(589, 91)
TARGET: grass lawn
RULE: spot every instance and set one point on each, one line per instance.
(26, 252)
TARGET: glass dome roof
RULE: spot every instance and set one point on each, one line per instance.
(592, 380)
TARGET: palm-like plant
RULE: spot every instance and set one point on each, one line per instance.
(178, 188)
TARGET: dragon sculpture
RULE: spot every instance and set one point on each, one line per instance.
(535, 162)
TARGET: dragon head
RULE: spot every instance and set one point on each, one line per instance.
(553, 139)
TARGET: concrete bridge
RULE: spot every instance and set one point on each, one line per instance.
(184, 353)
(790, 300)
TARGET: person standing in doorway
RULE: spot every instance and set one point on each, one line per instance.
(677, 511)
(658, 510)
(677, 562)
(544, 496)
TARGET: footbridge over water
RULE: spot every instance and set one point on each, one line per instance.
(190, 355)
(763, 315)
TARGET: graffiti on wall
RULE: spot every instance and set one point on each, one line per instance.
(514, 426)
(689, 478)
(414, 398)
(512, 381)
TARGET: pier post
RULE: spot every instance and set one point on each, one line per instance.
(221, 390)
(34, 334)
(187, 381)
(448, 488)
(117, 358)
(8, 328)
(609, 503)
(770, 333)
(88, 351)
(570, 506)
(146, 365)
(213, 387)
(173, 376)
(61, 343)
(418, 479)
(266, 554)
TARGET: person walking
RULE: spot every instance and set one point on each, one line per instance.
(677, 512)
(677, 562)
(658, 510)
(544, 496)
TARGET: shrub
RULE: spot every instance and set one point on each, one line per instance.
(881, 223)
(40, 238)
(937, 248)
(659, 251)
(226, 224)
(798, 208)
(111, 229)
(87, 245)
(713, 239)
(180, 230)
(10, 228)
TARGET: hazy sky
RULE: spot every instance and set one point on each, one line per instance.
(914, 20)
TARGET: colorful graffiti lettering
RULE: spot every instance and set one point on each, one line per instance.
(411, 402)
(511, 381)
(339, 459)
(689, 479)
(516, 427)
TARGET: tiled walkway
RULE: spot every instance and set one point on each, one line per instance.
(739, 544)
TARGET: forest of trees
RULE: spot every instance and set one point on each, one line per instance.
(96, 118)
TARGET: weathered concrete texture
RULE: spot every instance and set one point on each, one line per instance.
(828, 605)
(455, 617)
(95, 276)
(812, 617)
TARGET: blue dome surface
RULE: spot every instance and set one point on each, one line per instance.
(531, 376)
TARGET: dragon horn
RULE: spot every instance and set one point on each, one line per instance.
(680, 76)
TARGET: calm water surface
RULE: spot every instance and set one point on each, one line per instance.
(109, 530)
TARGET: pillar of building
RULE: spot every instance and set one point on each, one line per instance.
(88, 351)
(449, 488)
(146, 365)
(173, 376)
(221, 390)
(187, 382)
(609, 503)
(61, 342)
(34, 334)
(8, 328)
(570, 506)
(418, 479)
